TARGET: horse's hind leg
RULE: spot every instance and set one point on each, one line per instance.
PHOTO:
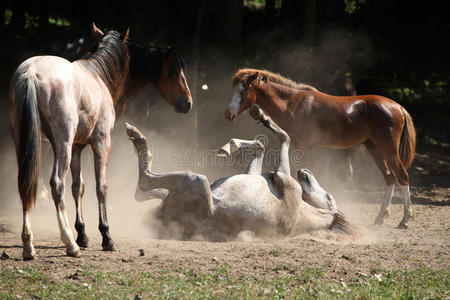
(389, 178)
(60, 167)
(101, 152)
(77, 193)
(395, 164)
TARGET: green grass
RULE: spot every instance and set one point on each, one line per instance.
(218, 283)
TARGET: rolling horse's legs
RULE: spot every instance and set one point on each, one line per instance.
(255, 165)
(78, 192)
(284, 166)
(101, 150)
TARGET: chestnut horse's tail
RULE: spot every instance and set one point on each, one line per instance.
(407, 146)
(29, 144)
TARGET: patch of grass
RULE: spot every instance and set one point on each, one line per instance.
(275, 252)
(220, 283)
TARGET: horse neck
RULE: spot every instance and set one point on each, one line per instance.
(112, 69)
(146, 64)
(273, 102)
(145, 68)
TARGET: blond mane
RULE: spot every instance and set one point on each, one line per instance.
(242, 74)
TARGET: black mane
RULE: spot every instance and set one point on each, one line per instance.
(146, 63)
(110, 61)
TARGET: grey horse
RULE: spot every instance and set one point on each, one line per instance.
(267, 204)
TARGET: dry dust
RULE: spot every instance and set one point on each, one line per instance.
(425, 244)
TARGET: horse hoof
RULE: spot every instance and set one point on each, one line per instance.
(109, 246)
(402, 225)
(83, 242)
(28, 256)
(76, 253)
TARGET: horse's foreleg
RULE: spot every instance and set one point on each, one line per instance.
(77, 193)
(233, 145)
(57, 182)
(257, 114)
(101, 152)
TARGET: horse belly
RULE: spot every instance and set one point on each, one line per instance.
(245, 200)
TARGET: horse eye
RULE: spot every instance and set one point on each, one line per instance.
(242, 92)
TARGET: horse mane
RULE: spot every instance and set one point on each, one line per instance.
(242, 74)
(146, 62)
(110, 62)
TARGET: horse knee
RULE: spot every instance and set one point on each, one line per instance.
(403, 179)
(57, 189)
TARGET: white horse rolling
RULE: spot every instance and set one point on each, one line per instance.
(268, 204)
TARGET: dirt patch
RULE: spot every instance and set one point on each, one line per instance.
(425, 244)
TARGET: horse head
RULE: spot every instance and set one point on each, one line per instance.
(172, 82)
(244, 94)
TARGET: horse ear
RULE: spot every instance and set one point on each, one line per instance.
(124, 35)
(252, 77)
(169, 51)
(263, 79)
(96, 33)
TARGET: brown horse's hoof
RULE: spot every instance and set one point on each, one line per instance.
(109, 246)
(83, 241)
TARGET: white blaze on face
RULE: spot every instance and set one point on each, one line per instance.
(183, 78)
(234, 106)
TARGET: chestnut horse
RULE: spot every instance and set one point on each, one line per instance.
(75, 104)
(313, 118)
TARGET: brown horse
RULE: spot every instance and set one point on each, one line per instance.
(73, 104)
(313, 118)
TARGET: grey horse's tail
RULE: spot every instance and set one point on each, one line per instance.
(29, 144)
(342, 225)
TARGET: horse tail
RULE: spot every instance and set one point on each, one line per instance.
(342, 225)
(29, 145)
(407, 146)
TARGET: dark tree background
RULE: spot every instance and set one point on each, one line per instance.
(395, 48)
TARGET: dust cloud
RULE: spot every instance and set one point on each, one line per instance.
(188, 142)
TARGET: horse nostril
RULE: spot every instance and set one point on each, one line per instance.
(183, 106)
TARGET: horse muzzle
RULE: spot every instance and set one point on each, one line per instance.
(183, 105)
(230, 116)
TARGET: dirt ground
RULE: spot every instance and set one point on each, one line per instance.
(425, 244)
